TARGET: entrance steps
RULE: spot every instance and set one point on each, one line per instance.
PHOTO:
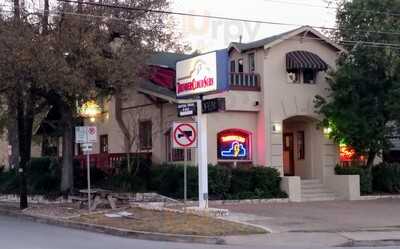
(314, 190)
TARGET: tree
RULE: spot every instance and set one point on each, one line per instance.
(364, 100)
(109, 52)
(79, 53)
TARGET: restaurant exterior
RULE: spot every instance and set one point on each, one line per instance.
(257, 98)
(258, 102)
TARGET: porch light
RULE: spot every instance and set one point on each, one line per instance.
(327, 131)
(276, 128)
(90, 109)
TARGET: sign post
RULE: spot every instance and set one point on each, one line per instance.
(200, 75)
(184, 137)
(202, 157)
(185, 177)
(86, 135)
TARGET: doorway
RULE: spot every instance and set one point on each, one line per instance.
(288, 154)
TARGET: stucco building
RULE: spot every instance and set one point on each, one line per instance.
(267, 107)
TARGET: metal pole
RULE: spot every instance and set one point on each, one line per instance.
(185, 177)
(202, 157)
(88, 178)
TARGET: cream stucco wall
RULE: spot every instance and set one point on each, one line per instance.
(283, 100)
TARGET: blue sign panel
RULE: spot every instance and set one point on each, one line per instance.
(234, 144)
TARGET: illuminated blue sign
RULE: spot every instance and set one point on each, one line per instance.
(236, 150)
(234, 144)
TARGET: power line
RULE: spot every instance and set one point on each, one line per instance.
(81, 15)
(333, 8)
(221, 17)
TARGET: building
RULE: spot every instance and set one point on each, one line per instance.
(261, 111)
(268, 110)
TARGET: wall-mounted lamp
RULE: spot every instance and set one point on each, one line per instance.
(276, 128)
(327, 131)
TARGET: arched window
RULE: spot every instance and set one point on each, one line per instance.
(234, 144)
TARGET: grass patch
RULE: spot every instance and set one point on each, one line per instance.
(172, 223)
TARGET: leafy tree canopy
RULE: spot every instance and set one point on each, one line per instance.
(364, 103)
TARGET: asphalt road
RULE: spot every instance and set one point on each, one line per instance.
(20, 234)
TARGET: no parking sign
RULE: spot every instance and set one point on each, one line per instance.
(184, 135)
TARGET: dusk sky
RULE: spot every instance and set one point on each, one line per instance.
(208, 34)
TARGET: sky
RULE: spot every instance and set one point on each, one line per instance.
(209, 34)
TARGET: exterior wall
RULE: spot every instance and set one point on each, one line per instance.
(218, 122)
(137, 108)
(283, 100)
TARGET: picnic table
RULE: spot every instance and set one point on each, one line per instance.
(99, 196)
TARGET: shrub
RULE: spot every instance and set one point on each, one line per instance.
(365, 178)
(9, 182)
(223, 182)
(43, 176)
(386, 177)
(219, 182)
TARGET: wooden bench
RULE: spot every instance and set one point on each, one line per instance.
(80, 200)
(122, 198)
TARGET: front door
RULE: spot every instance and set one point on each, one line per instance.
(288, 154)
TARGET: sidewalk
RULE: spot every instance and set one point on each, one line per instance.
(316, 224)
(331, 216)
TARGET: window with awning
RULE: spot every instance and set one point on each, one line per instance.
(303, 60)
(303, 67)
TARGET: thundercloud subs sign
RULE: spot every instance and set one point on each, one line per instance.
(202, 74)
(234, 145)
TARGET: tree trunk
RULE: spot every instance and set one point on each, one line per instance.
(12, 135)
(46, 16)
(25, 122)
(67, 172)
(370, 164)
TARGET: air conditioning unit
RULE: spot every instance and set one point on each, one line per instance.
(291, 77)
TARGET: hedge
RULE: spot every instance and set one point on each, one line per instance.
(44, 177)
(386, 177)
(365, 179)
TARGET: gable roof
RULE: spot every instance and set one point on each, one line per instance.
(276, 39)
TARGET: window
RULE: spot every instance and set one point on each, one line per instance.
(309, 76)
(252, 63)
(240, 65)
(233, 144)
(233, 66)
(175, 155)
(300, 145)
(306, 76)
(104, 144)
(145, 134)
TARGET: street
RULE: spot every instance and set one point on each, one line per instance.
(20, 234)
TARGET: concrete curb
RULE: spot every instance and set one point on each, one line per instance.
(116, 231)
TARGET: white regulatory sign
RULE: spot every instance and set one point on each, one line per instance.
(184, 135)
(85, 134)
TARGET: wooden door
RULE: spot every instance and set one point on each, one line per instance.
(288, 154)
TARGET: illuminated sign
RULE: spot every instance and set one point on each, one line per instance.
(348, 154)
(233, 138)
(234, 144)
(202, 74)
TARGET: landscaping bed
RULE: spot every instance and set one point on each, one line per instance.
(170, 223)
